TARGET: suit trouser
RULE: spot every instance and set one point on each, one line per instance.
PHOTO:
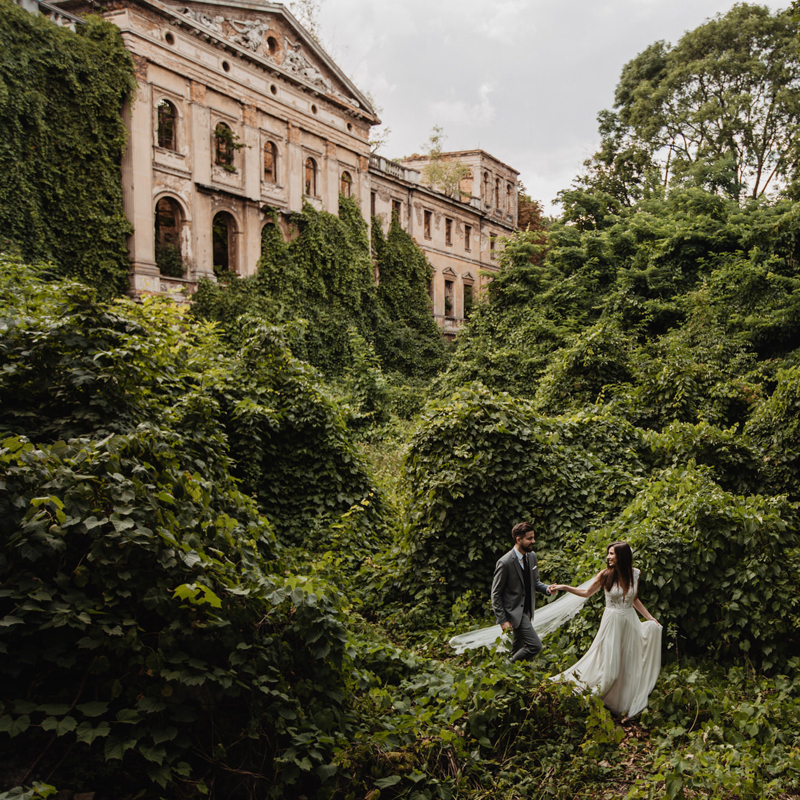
(526, 644)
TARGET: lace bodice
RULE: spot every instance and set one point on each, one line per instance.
(614, 598)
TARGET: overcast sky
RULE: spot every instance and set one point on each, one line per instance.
(521, 79)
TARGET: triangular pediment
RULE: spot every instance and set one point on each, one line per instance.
(449, 272)
(268, 32)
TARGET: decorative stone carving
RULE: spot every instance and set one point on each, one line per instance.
(250, 34)
(214, 24)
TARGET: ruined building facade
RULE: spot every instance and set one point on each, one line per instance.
(239, 111)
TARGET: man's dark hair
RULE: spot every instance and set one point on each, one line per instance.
(520, 529)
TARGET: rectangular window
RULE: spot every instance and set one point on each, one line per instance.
(427, 224)
(372, 204)
(448, 299)
(468, 237)
(492, 252)
(467, 300)
(397, 210)
(448, 231)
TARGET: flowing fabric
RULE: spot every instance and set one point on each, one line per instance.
(545, 620)
(623, 662)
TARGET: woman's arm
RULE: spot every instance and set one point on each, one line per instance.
(591, 589)
(639, 606)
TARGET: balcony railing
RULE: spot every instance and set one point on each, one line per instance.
(393, 169)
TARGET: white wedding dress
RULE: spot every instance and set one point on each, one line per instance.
(623, 662)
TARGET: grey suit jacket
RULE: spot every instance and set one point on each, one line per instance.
(508, 591)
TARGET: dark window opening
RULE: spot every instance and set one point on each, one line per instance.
(347, 184)
(270, 162)
(497, 192)
(448, 231)
(311, 178)
(223, 146)
(397, 211)
(167, 119)
(168, 238)
(427, 215)
(372, 204)
(468, 237)
(448, 299)
(468, 300)
(492, 252)
(223, 229)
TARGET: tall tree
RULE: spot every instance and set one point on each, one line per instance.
(721, 110)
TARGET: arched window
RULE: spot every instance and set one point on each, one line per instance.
(167, 125)
(270, 162)
(497, 192)
(465, 186)
(311, 178)
(347, 184)
(223, 145)
(168, 238)
(223, 230)
(486, 196)
(509, 199)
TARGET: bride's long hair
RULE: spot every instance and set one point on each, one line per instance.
(622, 571)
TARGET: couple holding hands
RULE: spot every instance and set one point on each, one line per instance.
(623, 661)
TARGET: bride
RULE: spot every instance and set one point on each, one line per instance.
(623, 662)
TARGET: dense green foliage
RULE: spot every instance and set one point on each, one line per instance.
(61, 140)
(232, 552)
(325, 277)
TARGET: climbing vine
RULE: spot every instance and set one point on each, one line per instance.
(61, 138)
(326, 277)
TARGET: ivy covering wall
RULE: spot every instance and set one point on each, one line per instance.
(325, 278)
(61, 138)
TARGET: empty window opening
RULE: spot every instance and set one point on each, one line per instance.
(468, 237)
(492, 251)
(427, 216)
(486, 196)
(468, 300)
(449, 308)
(223, 146)
(167, 123)
(448, 231)
(347, 184)
(497, 192)
(223, 229)
(168, 238)
(311, 178)
(397, 211)
(372, 201)
(270, 162)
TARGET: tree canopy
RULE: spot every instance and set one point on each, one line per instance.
(720, 110)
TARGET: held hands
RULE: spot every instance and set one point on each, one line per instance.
(506, 626)
(554, 588)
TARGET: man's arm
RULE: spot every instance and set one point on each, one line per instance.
(542, 588)
(498, 587)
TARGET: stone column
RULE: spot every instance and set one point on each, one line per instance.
(295, 172)
(251, 214)
(201, 173)
(137, 185)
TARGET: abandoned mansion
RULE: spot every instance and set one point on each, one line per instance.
(239, 112)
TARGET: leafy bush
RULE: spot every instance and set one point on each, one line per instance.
(481, 462)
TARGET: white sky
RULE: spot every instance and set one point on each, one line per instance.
(522, 79)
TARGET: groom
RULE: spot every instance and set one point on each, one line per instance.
(516, 579)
